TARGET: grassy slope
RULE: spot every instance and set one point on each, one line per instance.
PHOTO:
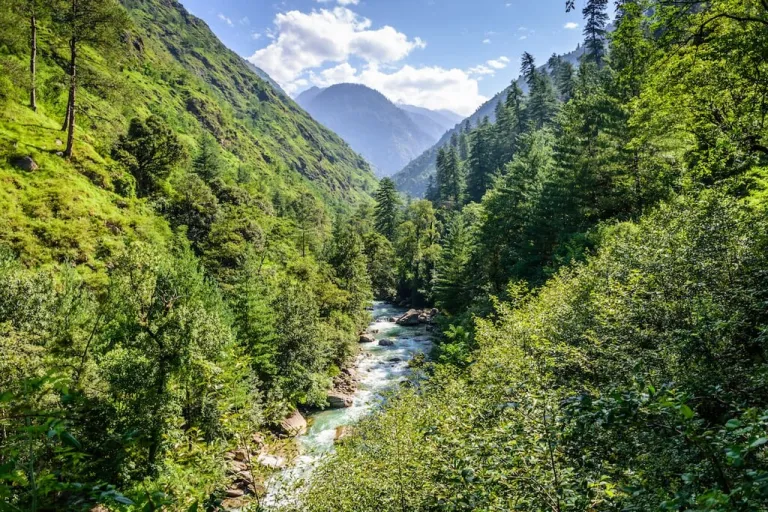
(172, 66)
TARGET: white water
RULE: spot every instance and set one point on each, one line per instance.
(377, 373)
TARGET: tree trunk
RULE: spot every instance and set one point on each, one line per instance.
(33, 63)
(72, 95)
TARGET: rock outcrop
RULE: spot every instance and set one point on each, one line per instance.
(338, 400)
(342, 433)
(417, 317)
(386, 343)
(294, 425)
(366, 338)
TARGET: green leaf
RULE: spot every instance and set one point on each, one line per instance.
(122, 499)
(733, 424)
(70, 441)
(686, 411)
(759, 442)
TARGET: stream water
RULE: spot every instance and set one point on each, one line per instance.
(379, 369)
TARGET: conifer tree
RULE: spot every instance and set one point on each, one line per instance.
(596, 18)
(96, 23)
(481, 168)
(387, 209)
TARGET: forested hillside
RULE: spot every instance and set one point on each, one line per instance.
(413, 179)
(176, 270)
(599, 259)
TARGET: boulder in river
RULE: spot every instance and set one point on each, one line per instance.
(386, 343)
(294, 425)
(338, 400)
(366, 338)
(410, 318)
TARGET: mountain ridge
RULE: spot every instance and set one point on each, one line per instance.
(387, 135)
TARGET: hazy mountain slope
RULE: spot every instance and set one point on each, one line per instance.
(384, 134)
(443, 118)
(413, 178)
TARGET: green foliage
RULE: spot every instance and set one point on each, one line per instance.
(568, 403)
(387, 204)
(150, 150)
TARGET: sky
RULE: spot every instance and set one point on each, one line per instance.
(437, 54)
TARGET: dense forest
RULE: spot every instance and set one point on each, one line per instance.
(599, 256)
(186, 258)
(176, 269)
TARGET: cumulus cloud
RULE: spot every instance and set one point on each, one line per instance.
(430, 86)
(489, 67)
(225, 19)
(304, 41)
(486, 41)
(321, 46)
(341, 2)
(571, 25)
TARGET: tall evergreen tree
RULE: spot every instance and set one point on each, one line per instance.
(96, 23)
(481, 169)
(387, 209)
(596, 18)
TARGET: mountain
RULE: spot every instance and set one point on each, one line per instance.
(171, 65)
(443, 119)
(239, 105)
(388, 136)
(413, 178)
(264, 76)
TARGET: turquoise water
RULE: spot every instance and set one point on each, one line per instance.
(379, 369)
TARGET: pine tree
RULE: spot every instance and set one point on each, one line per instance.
(387, 209)
(97, 23)
(450, 288)
(481, 168)
(594, 30)
(208, 163)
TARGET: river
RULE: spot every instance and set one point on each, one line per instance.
(379, 369)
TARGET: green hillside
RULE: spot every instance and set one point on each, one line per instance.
(186, 279)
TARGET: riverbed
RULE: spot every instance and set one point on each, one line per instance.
(379, 369)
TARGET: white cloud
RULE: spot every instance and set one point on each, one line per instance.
(341, 2)
(319, 47)
(482, 69)
(255, 36)
(430, 86)
(486, 41)
(571, 25)
(225, 19)
(303, 41)
(490, 67)
(523, 38)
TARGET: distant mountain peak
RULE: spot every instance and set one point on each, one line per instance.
(387, 135)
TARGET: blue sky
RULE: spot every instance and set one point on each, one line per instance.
(450, 54)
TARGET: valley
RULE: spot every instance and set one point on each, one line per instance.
(282, 274)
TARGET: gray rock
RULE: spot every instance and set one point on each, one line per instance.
(410, 318)
(294, 425)
(25, 163)
(386, 343)
(366, 338)
(338, 400)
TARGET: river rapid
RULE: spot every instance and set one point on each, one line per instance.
(379, 370)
